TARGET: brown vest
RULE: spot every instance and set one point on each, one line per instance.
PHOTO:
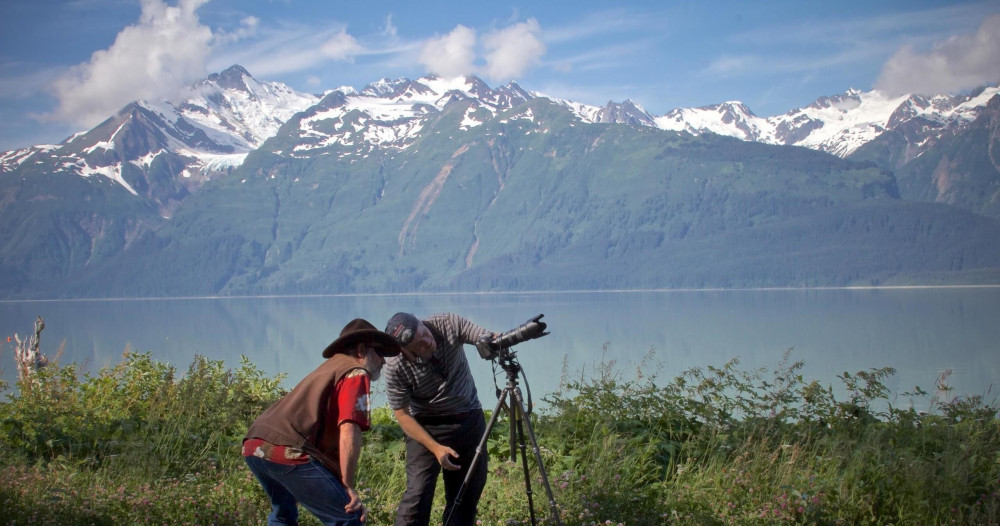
(299, 418)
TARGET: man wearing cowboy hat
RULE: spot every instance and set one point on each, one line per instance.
(305, 447)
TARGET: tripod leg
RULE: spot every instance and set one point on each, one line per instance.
(516, 416)
(512, 437)
(538, 456)
(475, 460)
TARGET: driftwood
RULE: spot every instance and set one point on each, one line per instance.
(29, 359)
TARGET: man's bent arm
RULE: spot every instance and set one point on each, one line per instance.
(414, 430)
(350, 453)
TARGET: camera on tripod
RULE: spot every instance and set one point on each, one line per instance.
(500, 345)
(498, 348)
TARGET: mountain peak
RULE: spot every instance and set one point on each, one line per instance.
(384, 87)
(233, 78)
(477, 86)
(846, 101)
(508, 96)
(626, 112)
(735, 106)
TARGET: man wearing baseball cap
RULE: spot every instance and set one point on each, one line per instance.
(304, 448)
(433, 396)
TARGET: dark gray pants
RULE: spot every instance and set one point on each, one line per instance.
(422, 470)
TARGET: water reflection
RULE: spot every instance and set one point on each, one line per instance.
(920, 332)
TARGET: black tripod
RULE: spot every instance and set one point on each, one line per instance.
(517, 416)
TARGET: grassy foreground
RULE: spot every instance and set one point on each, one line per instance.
(141, 443)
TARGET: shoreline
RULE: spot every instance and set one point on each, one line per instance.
(513, 292)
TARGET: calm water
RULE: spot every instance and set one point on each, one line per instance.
(920, 332)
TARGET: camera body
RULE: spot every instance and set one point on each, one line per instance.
(529, 330)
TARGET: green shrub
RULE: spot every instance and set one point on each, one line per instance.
(139, 443)
(136, 415)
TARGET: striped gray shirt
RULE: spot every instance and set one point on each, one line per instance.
(442, 385)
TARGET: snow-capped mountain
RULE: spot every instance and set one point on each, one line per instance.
(732, 119)
(209, 129)
(225, 116)
(390, 114)
(508, 189)
(840, 124)
(222, 118)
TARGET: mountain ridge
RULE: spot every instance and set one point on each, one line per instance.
(224, 117)
(442, 184)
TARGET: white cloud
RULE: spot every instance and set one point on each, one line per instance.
(341, 46)
(728, 65)
(152, 59)
(248, 28)
(956, 64)
(451, 55)
(509, 52)
(276, 51)
(513, 50)
(389, 30)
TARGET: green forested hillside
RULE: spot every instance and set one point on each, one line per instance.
(52, 225)
(533, 199)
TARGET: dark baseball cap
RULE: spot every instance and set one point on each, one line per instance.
(402, 327)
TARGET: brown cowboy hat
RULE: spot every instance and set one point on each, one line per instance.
(360, 331)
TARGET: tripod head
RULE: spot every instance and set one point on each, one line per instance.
(507, 360)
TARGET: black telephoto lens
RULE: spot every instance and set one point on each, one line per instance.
(531, 329)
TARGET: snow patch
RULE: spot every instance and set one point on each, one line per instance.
(222, 162)
(469, 120)
(112, 172)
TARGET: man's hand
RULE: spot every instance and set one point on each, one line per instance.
(485, 346)
(350, 452)
(355, 505)
(414, 430)
(444, 455)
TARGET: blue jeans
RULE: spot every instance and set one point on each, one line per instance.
(312, 485)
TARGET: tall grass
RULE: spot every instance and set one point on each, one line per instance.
(142, 443)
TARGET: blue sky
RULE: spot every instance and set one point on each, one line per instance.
(67, 65)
